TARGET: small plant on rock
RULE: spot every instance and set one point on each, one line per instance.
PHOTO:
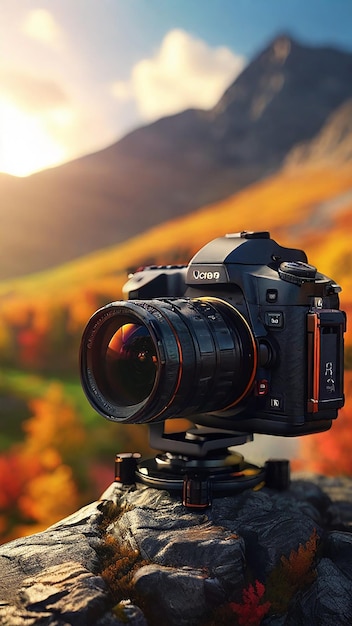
(252, 610)
(292, 574)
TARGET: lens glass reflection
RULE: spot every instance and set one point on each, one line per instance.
(130, 365)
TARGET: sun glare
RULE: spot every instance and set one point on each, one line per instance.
(25, 144)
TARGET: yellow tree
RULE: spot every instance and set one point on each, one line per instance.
(39, 484)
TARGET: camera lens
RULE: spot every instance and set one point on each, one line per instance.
(144, 361)
(130, 365)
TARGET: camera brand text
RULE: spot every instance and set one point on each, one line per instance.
(198, 275)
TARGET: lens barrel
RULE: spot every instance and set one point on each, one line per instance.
(145, 361)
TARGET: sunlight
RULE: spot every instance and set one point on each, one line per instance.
(25, 144)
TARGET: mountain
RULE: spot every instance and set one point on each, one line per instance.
(332, 145)
(175, 165)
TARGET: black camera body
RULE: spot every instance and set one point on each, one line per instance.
(248, 337)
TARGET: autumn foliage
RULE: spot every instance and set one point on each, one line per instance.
(293, 573)
(272, 596)
(329, 453)
(37, 485)
(252, 609)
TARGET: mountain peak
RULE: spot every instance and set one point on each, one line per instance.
(280, 48)
(266, 72)
(268, 101)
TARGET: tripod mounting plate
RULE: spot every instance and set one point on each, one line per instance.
(198, 465)
(197, 442)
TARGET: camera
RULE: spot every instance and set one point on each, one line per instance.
(247, 337)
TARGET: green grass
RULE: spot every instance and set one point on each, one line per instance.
(24, 385)
(103, 437)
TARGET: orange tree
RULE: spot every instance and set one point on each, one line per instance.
(37, 479)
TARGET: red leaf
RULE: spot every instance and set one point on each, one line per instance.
(251, 612)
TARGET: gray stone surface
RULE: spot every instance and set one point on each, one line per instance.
(191, 564)
(72, 539)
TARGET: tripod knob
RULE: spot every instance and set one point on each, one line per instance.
(196, 492)
(125, 467)
(277, 474)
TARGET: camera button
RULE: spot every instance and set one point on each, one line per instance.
(276, 403)
(271, 295)
(274, 320)
(262, 387)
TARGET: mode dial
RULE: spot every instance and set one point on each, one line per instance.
(297, 272)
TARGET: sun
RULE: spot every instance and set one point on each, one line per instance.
(26, 146)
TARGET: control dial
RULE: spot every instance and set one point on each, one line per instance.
(297, 272)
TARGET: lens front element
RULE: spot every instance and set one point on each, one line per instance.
(130, 365)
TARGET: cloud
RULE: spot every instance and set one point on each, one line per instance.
(31, 92)
(39, 24)
(185, 72)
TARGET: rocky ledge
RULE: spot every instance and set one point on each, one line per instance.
(139, 557)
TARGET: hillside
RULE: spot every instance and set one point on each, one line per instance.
(309, 209)
(175, 165)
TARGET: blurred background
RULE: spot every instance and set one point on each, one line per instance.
(132, 133)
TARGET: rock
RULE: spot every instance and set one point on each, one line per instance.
(328, 601)
(73, 537)
(63, 594)
(139, 556)
(338, 548)
(49, 578)
(183, 600)
(339, 490)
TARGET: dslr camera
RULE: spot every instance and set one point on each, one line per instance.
(247, 337)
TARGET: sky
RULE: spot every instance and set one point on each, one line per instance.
(77, 75)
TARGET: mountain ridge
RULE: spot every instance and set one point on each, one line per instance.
(176, 164)
(333, 144)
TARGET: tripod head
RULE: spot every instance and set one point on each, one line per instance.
(199, 465)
